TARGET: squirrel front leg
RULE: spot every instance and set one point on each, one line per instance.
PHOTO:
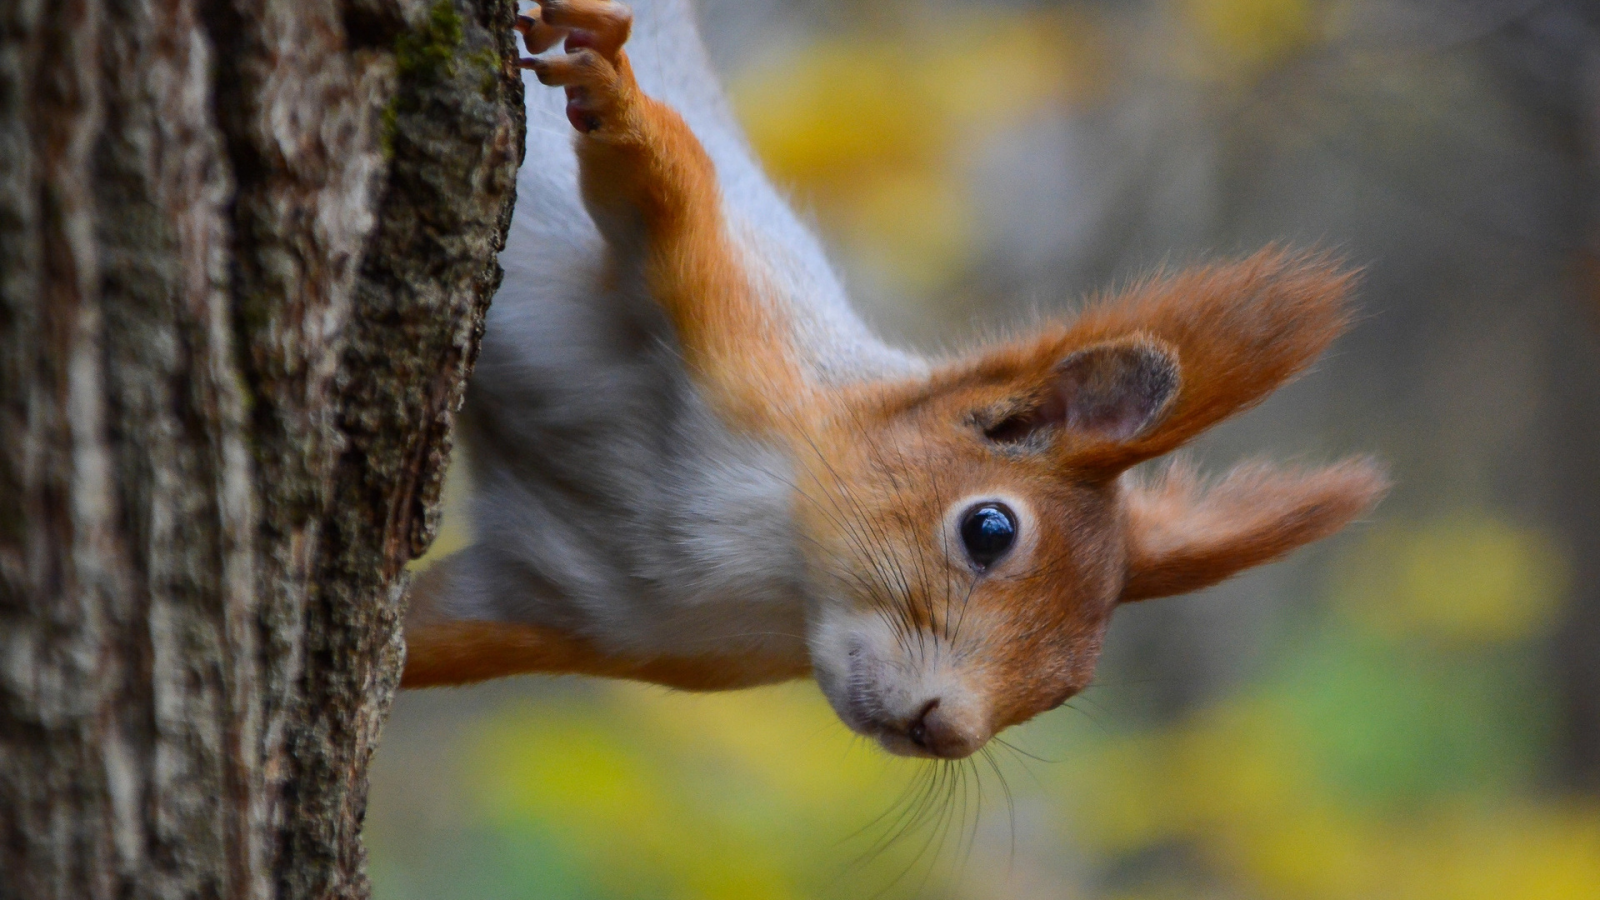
(652, 190)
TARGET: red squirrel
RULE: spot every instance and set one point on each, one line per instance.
(694, 466)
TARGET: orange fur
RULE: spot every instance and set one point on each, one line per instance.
(462, 652)
(646, 178)
(1239, 330)
(897, 454)
(1184, 536)
(1049, 422)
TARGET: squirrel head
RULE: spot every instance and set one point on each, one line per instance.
(969, 534)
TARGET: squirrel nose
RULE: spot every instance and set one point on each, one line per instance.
(935, 731)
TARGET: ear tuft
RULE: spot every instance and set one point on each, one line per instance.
(1183, 535)
(1241, 330)
(1109, 382)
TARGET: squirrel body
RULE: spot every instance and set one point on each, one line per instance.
(609, 499)
(693, 464)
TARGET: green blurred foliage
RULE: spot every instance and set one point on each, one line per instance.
(1371, 761)
(1393, 750)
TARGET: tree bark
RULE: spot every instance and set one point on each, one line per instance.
(245, 252)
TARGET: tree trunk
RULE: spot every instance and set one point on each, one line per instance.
(245, 251)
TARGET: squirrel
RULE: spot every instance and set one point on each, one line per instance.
(693, 465)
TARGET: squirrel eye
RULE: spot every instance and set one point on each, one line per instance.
(988, 531)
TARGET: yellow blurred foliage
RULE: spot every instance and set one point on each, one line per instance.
(745, 795)
(1245, 37)
(1390, 760)
(725, 796)
(875, 134)
(1470, 578)
(1233, 784)
(620, 806)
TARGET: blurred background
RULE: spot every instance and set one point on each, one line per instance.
(1410, 710)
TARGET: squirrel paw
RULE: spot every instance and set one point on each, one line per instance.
(593, 69)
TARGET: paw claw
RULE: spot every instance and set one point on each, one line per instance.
(593, 69)
(607, 21)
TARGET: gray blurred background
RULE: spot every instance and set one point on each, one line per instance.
(1411, 710)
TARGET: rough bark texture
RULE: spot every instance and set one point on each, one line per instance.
(245, 250)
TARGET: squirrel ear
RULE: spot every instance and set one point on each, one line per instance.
(1183, 536)
(1108, 392)
(1240, 329)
